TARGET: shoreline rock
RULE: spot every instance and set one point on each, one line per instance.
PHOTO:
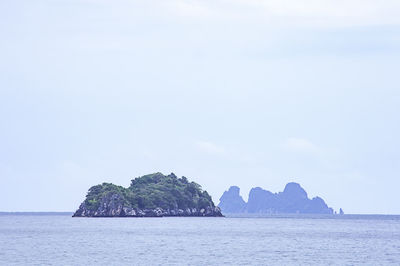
(121, 211)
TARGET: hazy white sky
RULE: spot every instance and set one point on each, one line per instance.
(240, 92)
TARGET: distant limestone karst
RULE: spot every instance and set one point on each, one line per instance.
(153, 195)
(293, 199)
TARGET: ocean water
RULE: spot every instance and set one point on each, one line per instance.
(29, 239)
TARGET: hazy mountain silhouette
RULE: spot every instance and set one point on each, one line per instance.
(293, 199)
(231, 201)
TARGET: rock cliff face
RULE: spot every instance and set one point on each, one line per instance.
(154, 195)
(293, 199)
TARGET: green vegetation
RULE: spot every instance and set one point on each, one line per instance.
(97, 193)
(151, 191)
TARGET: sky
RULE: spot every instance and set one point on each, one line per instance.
(240, 92)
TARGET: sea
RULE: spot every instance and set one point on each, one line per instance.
(59, 239)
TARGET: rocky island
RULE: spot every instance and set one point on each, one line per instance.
(153, 195)
(293, 199)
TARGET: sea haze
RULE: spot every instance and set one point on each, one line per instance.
(58, 239)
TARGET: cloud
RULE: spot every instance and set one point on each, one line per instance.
(300, 145)
(194, 9)
(314, 13)
(209, 147)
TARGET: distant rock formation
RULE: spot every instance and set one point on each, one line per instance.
(231, 201)
(293, 199)
(153, 195)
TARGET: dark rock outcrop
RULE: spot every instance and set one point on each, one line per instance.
(121, 211)
(293, 199)
(154, 195)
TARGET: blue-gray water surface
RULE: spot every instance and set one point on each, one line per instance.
(29, 239)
